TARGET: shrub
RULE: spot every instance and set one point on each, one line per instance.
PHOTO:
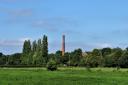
(51, 65)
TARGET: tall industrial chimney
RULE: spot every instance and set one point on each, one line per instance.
(63, 45)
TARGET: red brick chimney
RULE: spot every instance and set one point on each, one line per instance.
(63, 45)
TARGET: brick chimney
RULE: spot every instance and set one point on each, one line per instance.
(63, 45)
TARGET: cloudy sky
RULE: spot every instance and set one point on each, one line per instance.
(87, 24)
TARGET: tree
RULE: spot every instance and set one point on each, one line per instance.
(123, 61)
(40, 56)
(34, 52)
(82, 62)
(26, 57)
(45, 48)
(98, 59)
(93, 61)
(14, 59)
(52, 56)
(76, 56)
(3, 59)
(64, 59)
(37, 56)
(1, 54)
(96, 52)
(52, 65)
(106, 51)
(27, 47)
(112, 60)
(58, 56)
(117, 53)
(34, 46)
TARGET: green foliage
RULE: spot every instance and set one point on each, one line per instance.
(106, 51)
(45, 48)
(76, 57)
(64, 59)
(1, 54)
(58, 56)
(26, 52)
(3, 59)
(82, 62)
(14, 59)
(123, 61)
(52, 65)
(34, 46)
(36, 53)
(27, 47)
(96, 52)
(93, 61)
(112, 60)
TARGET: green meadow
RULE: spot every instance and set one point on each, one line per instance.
(63, 76)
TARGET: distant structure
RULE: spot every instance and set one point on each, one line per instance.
(63, 45)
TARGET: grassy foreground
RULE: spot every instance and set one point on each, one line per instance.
(64, 76)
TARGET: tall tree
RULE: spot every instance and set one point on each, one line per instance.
(26, 52)
(27, 47)
(45, 48)
(34, 46)
(34, 52)
(37, 57)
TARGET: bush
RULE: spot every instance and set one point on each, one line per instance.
(51, 65)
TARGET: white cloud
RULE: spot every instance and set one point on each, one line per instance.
(10, 43)
(102, 45)
(13, 43)
(12, 46)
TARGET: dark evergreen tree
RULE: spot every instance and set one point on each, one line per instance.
(34, 46)
(45, 48)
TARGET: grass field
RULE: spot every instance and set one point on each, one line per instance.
(64, 76)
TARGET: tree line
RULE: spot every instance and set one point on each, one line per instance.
(36, 53)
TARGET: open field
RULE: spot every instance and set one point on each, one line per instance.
(64, 76)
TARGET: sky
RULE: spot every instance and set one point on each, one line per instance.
(87, 24)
